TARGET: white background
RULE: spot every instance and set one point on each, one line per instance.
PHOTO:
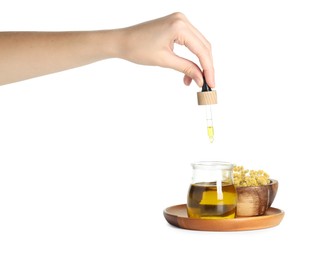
(90, 157)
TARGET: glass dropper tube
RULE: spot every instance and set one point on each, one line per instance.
(206, 98)
(209, 122)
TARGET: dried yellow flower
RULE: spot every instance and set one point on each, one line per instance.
(244, 177)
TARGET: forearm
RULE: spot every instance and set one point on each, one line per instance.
(26, 55)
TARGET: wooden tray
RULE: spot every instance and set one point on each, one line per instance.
(177, 216)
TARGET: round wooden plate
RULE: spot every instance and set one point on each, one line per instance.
(177, 216)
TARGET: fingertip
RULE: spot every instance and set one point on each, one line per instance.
(189, 68)
(209, 77)
(199, 82)
(198, 78)
(211, 84)
(187, 80)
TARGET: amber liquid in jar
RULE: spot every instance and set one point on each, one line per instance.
(207, 201)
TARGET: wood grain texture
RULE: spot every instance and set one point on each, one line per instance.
(207, 98)
(255, 200)
(177, 216)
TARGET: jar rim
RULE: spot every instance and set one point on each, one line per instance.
(212, 165)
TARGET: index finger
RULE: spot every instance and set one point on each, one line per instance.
(201, 47)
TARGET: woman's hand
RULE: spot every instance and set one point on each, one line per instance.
(152, 43)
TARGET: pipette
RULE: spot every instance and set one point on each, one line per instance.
(209, 122)
(208, 97)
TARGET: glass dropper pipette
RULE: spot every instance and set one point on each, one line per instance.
(209, 122)
(208, 97)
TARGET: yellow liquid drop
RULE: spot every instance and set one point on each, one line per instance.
(211, 133)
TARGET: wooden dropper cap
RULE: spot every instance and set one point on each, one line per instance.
(207, 96)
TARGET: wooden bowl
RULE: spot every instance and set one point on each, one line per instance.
(255, 200)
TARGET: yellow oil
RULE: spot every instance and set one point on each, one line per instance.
(211, 133)
(204, 201)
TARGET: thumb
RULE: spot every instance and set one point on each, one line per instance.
(189, 68)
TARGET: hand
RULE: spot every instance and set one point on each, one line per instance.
(152, 43)
(25, 55)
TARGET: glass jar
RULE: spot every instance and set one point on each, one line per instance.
(212, 194)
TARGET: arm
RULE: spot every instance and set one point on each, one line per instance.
(25, 55)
